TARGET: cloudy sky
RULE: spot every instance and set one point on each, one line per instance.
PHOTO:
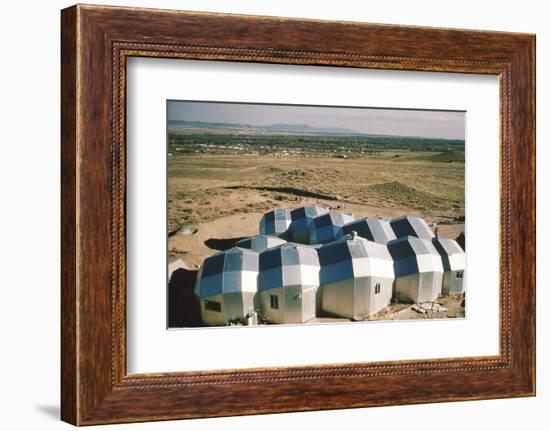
(404, 122)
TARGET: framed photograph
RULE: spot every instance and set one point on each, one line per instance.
(329, 214)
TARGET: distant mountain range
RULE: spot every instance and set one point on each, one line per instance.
(278, 127)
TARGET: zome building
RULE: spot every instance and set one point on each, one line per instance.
(288, 283)
(356, 277)
(226, 286)
(454, 264)
(328, 227)
(418, 269)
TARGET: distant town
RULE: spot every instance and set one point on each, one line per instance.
(284, 139)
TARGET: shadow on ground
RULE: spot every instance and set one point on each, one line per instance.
(221, 244)
(52, 411)
(182, 310)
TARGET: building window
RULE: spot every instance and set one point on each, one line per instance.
(274, 302)
(213, 306)
(459, 274)
(377, 289)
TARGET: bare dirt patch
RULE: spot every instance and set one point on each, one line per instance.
(450, 304)
(211, 237)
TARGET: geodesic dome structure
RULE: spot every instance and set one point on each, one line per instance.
(288, 283)
(418, 269)
(301, 218)
(260, 243)
(327, 227)
(356, 277)
(453, 259)
(275, 222)
(411, 226)
(372, 229)
(226, 286)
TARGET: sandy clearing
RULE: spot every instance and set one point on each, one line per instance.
(193, 249)
(220, 233)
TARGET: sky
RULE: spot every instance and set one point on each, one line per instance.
(424, 123)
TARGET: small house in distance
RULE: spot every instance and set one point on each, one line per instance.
(356, 277)
(301, 219)
(288, 283)
(418, 269)
(453, 259)
(372, 229)
(227, 285)
(275, 222)
(411, 226)
(327, 227)
(260, 243)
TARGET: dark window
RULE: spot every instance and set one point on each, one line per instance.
(297, 213)
(269, 217)
(401, 249)
(213, 265)
(244, 244)
(322, 221)
(377, 288)
(401, 228)
(213, 306)
(270, 259)
(334, 253)
(361, 227)
(274, 302)
(459, 274)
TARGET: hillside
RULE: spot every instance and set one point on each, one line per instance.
(448, 156)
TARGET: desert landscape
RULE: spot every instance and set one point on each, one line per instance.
(223, 178)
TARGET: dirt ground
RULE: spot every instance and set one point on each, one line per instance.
(451, 304)
(224, 196)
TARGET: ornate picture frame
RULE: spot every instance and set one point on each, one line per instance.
(96, 41)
